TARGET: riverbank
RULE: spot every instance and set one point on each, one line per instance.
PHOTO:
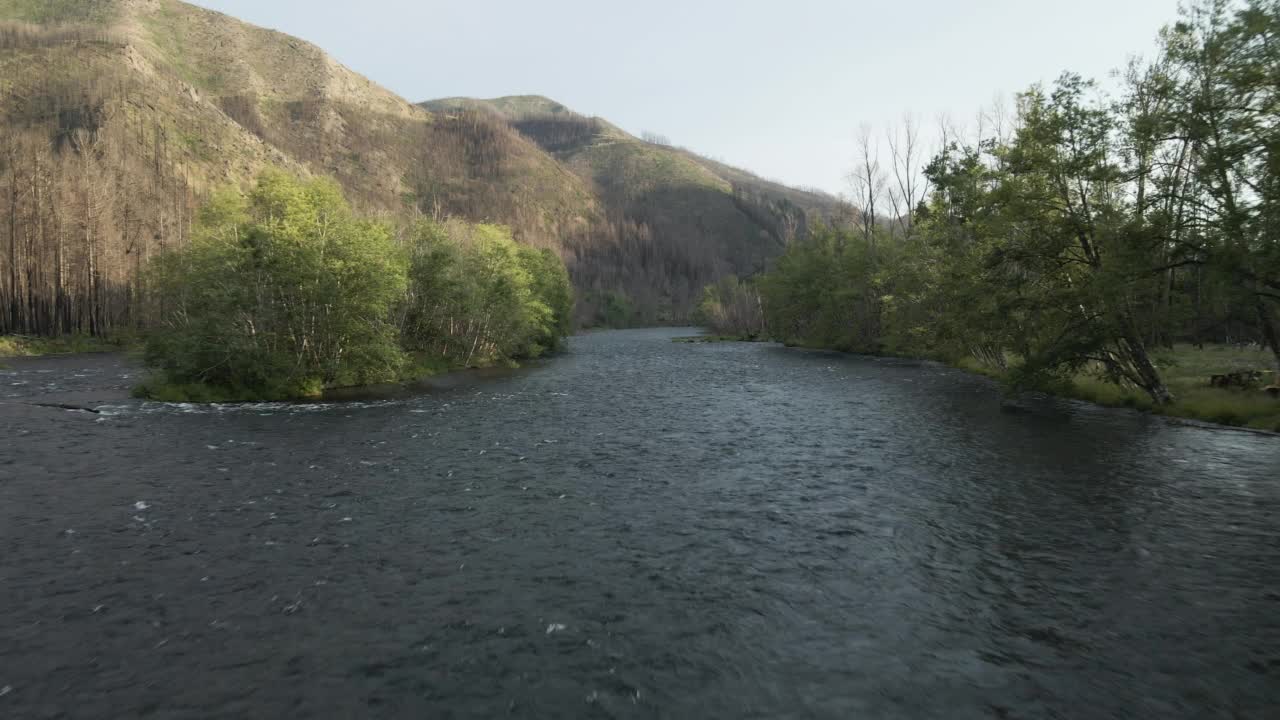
(719, 339)
(13, 346)
(88, 382)
(421, 373)
(1185, 368)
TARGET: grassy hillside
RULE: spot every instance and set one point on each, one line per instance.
(58, 11)
(118, 117)
(511, 106)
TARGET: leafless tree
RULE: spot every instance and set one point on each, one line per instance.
(910, 186)
(867, 181)
(655, 138)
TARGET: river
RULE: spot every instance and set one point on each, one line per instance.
(635, 529)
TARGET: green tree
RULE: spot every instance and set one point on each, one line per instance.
(282, 292)
(1225, 58)
(552, 287)
(477, 297)
(734, 308)
(615, 311)
(829, 290)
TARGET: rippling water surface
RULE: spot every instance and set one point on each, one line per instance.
(636, 529)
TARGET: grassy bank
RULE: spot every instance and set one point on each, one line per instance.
(27, 346)
(419, 368)
(1187, 370)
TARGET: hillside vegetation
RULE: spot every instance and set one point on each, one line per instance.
(679, 220)
(1087, 249)
(117, 118)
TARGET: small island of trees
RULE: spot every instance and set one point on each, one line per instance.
(284, 292)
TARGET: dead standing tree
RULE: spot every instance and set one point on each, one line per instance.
(868, 182)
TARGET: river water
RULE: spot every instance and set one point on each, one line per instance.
(636, 529)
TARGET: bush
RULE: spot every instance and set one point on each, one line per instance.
(733, 308)
(478, 298)
(614, 311)
(282, 292)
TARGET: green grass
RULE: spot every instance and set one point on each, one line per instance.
(1187, 371)
(514, 106)
(424, 365)
(27, 346)
(642, 168)
(168, 29)
(55, 11)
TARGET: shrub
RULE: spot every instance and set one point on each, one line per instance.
(478, 298)
(281, 293)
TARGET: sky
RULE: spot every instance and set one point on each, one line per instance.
(779, 88)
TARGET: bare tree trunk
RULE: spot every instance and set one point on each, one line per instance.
(1147, 376)
(868, 182)
(11, 309)
(1269, 333)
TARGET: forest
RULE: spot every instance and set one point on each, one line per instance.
(1084, 236)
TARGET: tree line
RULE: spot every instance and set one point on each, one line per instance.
(89, 192)
(1078, 235)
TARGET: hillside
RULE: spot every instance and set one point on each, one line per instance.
(117, 118)
(234, 95)
(705, 219)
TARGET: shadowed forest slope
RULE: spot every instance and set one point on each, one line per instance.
(117, 117)
(700, 219)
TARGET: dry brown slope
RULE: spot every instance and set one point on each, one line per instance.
(117, 116)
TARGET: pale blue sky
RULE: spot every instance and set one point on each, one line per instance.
(779, 88)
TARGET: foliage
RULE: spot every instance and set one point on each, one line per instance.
(732, 307)
(284, 292)
(830, 291)
(614, 310)
(1187, 369)
(1071, 250)
(281, 293)
(102, 166)
(28, 346)
(674, 221)
(477, 297)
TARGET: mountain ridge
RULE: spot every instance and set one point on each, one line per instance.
(680, 195)
(144, 106)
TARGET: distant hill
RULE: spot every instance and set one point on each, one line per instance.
(704, 219)
(117, 117)
(511, 106)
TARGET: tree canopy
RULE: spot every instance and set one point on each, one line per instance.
(284, 291)
(1088, 232)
